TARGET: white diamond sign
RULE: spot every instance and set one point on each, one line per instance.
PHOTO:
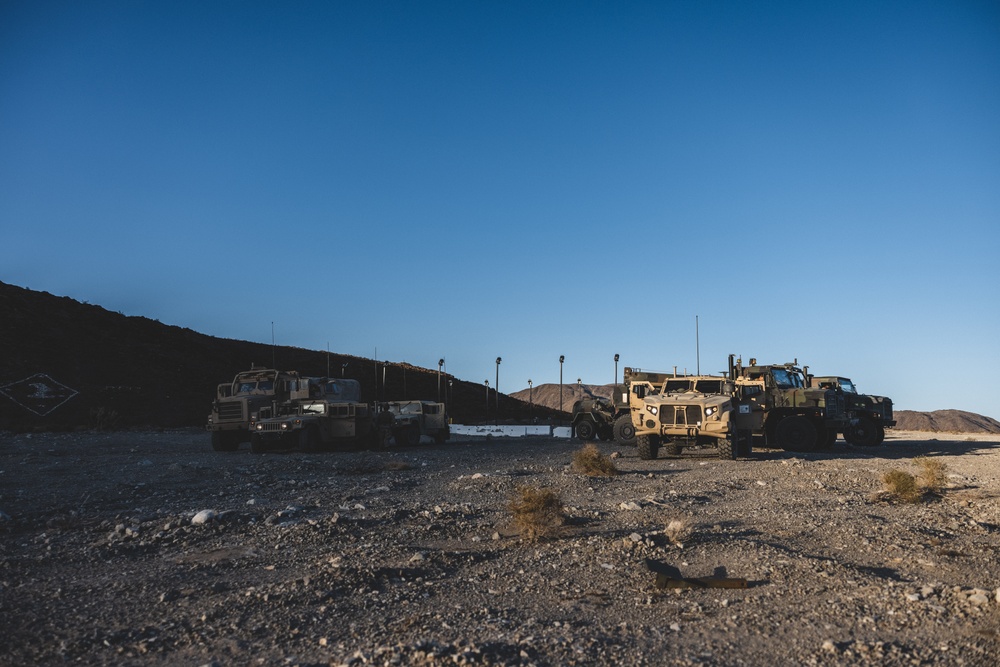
(39, 393)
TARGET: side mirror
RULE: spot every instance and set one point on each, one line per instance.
(640, 391)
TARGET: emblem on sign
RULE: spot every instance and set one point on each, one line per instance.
(39, 393)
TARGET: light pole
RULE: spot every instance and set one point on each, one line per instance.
(440, 364)
(616, 373)
(496, 388)
(487, 383)
(530, 402)
(562, 358)
(449, 390)
(343, 369)
(579, 388)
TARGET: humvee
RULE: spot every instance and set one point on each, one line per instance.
(413, 419)
(776, 403)
(869, 415)
(236, 403)
(686, 417)
(329, 417)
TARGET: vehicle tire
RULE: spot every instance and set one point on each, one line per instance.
(796, 433)
(257, 444)
(825, 437)
(729, 446)
(831, 439)
(864, 434)
(624, 431)
(439, 438)
(881, 434)
(648, 446)
(672, 448)
(408, 437)
(224, 441)
(585, 430)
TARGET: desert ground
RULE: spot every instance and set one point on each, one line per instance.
(138, 548)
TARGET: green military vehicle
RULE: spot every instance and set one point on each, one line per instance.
(776, 403)
(413, 419)
(593, 417)
(869, 415)
(331, 417)
(677, 416)
(238, 401)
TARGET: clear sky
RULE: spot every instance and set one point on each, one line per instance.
(811, 180)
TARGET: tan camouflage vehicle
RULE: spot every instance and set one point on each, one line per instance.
(413, 419)
(236, 403)
(777, 404)
(675, 419)
(330, 417)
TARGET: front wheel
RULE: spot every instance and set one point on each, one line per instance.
(865, 433)
(257, 444)
(648, 446)
(585, 431)
(624, 430)
(729, 446)
(796, 433)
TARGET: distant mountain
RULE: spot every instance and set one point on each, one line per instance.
(71, 365)
(957, 421)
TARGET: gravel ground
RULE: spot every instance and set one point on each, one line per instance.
(149, 548)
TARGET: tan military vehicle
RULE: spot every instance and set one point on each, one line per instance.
(238, 401)
(330, 417)
(675, 419)
(413, 419)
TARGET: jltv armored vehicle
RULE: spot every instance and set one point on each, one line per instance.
(675, 419)
(413, 419)
(332, 417)
(776, 403)
(236, 403)
(869, 415)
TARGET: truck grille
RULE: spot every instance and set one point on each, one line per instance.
(836, 406)
(680, 414)
(231, 411)
(270, 427)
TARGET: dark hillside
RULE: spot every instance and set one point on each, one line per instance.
(134, 371)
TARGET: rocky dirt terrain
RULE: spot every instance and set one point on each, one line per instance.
(135, 548)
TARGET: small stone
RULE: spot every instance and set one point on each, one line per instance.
(675, 627)
(635, 537)
(252, 501)
(761, 482)
(829, 646)
(927, 591)
(496, 536)
(203, 517)
(978, 599)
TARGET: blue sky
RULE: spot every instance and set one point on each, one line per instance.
(468, 180)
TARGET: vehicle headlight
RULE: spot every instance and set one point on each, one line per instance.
(710, 411)
(259, 427)
(652, 409)
(284, 426)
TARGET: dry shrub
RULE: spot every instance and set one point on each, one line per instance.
(902, 485)
(538, 513)
(932, 473)
(591, 462)
(678, 531)
(397, 465)
(103, 419)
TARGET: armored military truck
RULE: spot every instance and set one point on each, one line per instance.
(869, 415)
(776, 403)
(593, 417)
(413, 419)
(331, 418)
(675, 419)
(236, 403)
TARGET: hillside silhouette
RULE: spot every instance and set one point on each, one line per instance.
(132, 371)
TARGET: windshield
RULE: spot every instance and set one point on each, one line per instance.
(847, 386)
(785, 379)
(313, 408)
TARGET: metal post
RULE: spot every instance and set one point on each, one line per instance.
(440, 364)
(616, 374)
(562, 358)
(487, 383)
(496, 388)
(531, 403)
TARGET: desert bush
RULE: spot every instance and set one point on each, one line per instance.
(591, 462)
(932, 473)
(678, 531)
(902, 485)
(538, 513)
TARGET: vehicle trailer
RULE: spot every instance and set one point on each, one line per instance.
(870, 415)
(776, 404)
(238, 401)
(413, 419)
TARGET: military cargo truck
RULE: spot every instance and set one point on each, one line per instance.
(675, 419)
(776, 403)
(236, 403)
(331, 418)
(869, 415)
(413, 419)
